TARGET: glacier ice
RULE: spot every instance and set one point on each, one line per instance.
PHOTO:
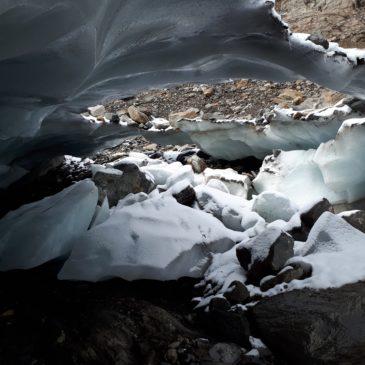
(44, 230)
(334, 171)
(154, 239)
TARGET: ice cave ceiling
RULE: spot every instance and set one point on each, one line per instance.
(56, 57)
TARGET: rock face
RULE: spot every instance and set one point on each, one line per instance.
(315, 327)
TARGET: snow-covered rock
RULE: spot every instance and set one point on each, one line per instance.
(273, 206)
(44, 230)
(155, 239)
(334, 171)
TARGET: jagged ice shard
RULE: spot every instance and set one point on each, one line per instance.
(57, 57)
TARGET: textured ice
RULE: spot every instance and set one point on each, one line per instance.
(58, 57)
(155, 239)
(44, 230)
(334, 171)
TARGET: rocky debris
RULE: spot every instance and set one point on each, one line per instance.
(187, 114)
(208, 91)
(137, 115)
(294, 271)
(337, 20)
(319, 40)
(97, 111)
(356, 219)
(237, 293)
(241, 99)
(314, 327)
(118, 182)
(186, 196)
(265, 254)
(310, 217)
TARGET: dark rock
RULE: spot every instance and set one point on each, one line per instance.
(115, 119)
(314, 327)
(186, 196)
(117, 186)
(319, 40)
(295, 271)
(183, 156)
(227, 324)
(237, 293)
(225, 353)
(268, 253)
(356, 219)
(309, 218)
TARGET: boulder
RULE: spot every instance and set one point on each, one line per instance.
(319, 40)
(197, 163)
(186, 196)
(138, 116)
(97, 111)
(314, 327)
(187, 114)
(356, 219)
(225, 353)
(118, 182)
(237, 293)
(265, 254)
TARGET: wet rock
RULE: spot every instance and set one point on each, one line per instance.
(314, 327)
(265, 254)
(319, 40)
(138, 116)
(120, 181)
(356, 219)
(237, 293)
(97, 111)
(186, 196)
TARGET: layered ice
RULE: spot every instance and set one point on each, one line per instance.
(154, 239)
(44, 230)
(58, 57)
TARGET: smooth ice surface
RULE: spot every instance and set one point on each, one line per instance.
(58, 57)
(44, 230)
(155, 239)
(335, 170)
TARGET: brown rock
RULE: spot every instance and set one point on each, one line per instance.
(137, 115)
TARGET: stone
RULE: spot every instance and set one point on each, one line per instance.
(208, 91)
(225, 353)
(118, 182)
(356, 219)
(187, 114)
(314, 326)
(237, 293)
(319, 40)
(265, 254)
(186, 196)
(138, 116)
(197, 163)
(97, 111)
(115, 119)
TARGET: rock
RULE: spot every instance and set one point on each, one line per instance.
(218, 184)
(310, 217)
(186, 196)
(120, 181)
(207, 91)
(314, 326)
(319, 40)
(197, 163)
(151, 147)
(137, 115)
(97, 111)
(115, 119)
(187, 114)
(237, 293)
(227, 324)
(356, 219)
(295, 271)
(265, 254)
(225, 353)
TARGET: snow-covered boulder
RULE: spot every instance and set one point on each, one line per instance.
(273, 206)
(155, 239)
(44, 230)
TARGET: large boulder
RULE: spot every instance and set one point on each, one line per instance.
(116, 183)
(314, 327)
(356, 218)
